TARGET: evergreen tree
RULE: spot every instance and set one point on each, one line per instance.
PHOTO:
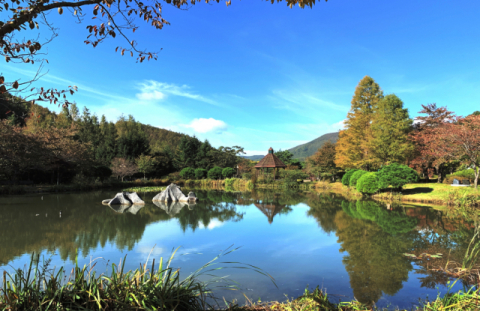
(204, 156)
(391, 125)
(187, 152)
(107, 148)
(352, 147)
(132, 141)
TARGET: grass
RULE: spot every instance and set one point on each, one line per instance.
(144, 189)
(39, 288)
(317, 300)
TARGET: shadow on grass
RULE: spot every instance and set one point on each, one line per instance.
(417, 190)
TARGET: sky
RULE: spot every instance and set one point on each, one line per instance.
(262, 75)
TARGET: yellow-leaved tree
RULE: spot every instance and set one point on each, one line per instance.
(352, 150)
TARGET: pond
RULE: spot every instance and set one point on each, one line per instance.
(352, 249)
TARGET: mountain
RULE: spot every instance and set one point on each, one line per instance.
(254, 157)
(302, 151)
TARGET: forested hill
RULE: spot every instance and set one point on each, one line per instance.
(160, 138)
(302, 151)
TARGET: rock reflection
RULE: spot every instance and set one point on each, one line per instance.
(171, 208)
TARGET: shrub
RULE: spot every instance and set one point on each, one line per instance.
(293, 176)
(355, 177)
(228, 172)
(187, 172)
(247, 176)
(346, 177)
(460, 175)
(368, 183)
(396, 175)
(215, 173)
(200, 173)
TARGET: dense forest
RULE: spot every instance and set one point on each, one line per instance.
(41, 146)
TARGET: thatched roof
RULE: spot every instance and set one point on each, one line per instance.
(270, 160)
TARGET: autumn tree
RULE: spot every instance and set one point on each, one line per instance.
(352, 147)
(461, 140)
(122, 168)
(427, 142)
(389, 141)
(109, 19)
(322, 162)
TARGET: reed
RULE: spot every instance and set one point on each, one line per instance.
(40, 288)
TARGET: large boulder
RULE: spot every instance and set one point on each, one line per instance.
(124, 198)
(173, 194)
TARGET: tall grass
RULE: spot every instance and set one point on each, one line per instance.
(40, 288)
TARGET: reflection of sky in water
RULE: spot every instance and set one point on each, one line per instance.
(293, 249)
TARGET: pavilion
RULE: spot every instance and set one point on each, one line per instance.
(269, 161)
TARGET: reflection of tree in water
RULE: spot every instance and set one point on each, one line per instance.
(376, 238)
(84, 224)
(374, 262)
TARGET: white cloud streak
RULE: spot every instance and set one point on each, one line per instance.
(202, 125)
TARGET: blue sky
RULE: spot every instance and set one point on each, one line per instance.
(260, 75)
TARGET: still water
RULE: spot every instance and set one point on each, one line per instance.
(352, 249)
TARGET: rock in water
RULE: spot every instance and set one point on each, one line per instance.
(172, 193)
(134, 198)
(124, 198)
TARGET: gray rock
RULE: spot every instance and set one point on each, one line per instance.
(105, 202)
(171, 194)
(120, 199)
(192, 196)
(134, 198)
(124, 198)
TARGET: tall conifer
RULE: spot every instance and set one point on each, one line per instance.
(351, 147)
(390, 127)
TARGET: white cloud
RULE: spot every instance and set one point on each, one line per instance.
(202, 125)
(154, 90)
(214, 223)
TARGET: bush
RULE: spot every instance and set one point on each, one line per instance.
(355, 177)
(215, 173)
(396, 175)
(346, 177)
(293, 176)
(368, 183)
(247, 176)
(228, 172)
(200, 173)
(460, 175)
(187, 172)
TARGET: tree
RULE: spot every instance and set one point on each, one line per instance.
(215, 173)
(323, 161)
(200, 173)
(132, 141)
(122, 167)
(352, 149)
(187, 152)
(396, 175)
(228, 172)
(187, 172)
(145, 164)
(390, 127)
(426, 141)
(461, 139)
(111, 18)
(286, 156)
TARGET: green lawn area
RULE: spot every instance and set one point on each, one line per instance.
(434, 192)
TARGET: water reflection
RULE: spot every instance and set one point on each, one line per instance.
(372, 237)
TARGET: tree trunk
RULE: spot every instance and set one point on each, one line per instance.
(439, 174)
(475, 168)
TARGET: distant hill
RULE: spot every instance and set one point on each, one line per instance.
(254, 157)
(302, 151)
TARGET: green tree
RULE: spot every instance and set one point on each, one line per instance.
(145, 164)
(204, 157)
(390, 128)
(352, 144)
(322, 163)
(215, 173)
(396, 175)
(187, 172)
(228, 172)
(107, 147)
(200, 173)
(187, 152)
(286, 156)
(132, 141)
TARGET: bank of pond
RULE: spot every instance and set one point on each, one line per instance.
(361, 252)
